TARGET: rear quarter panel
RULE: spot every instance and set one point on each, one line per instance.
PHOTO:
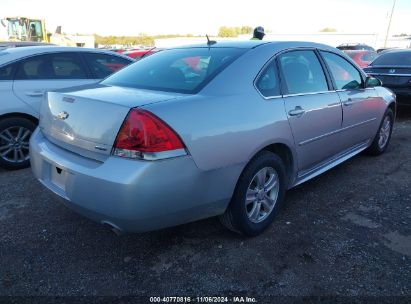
(226, 130)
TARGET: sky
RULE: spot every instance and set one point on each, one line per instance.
(199, 17)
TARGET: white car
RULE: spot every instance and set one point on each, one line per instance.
(27, 73)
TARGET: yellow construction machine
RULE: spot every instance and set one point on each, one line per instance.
(25, 29)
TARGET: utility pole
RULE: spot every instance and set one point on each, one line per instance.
(389, 24)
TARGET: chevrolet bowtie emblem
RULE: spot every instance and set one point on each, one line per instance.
(63, 115)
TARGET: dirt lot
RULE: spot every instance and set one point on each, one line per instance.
(347, 232)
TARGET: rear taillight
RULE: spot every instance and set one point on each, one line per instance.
(145, 136)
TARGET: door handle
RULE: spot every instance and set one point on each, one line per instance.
(298, 111)
(349, 102)
(35, 94)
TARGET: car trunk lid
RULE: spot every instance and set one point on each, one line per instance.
(391, 76)
(87, 121)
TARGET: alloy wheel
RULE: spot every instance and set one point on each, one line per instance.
(262, 194)
(14, 144)
(385, 132)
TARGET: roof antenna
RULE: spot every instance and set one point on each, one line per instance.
(148, 51)
(210, 42)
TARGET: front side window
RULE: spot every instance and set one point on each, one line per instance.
(346, 76)
(6, 72)
(177, 70)
(51, 66)
(302, 72)
(67, 66)
(37, 67)
(104, 65)
(268, 83)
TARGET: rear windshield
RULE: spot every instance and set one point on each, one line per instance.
(369, 56)
(355, 47)
(177, 70)
(394, 58)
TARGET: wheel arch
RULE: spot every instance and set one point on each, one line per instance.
(20, 115)
(232, 218)
(286, 155)
(393, 107)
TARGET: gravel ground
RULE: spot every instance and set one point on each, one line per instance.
(347, 232)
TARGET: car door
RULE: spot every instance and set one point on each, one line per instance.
(8, 100)
(360, 105)
(314, 112)
(39, 74)
(102, 65)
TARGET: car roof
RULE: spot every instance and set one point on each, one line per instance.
(250, 44)
(390, 51)
(245, 44)
(12, 54)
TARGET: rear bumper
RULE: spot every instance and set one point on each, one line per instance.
(131, 195)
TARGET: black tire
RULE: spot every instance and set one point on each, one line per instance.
(235, 217)
(13, 126)
(376, 148)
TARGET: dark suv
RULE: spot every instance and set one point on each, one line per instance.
(393, 68)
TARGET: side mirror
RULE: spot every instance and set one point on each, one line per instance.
(371, 82)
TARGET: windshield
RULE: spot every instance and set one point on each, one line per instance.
(176, 70)
(394, 58)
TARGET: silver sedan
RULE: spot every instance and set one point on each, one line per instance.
(218, 129)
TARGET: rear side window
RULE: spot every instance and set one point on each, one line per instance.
(51, 66)
(268, 83)
(6, 72)
(345, 75)
(103, 65)
(394, 58)
(178, 70)
(302, 72)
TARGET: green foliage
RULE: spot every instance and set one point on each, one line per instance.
(328, 30)
(227, 31)
(125, 40)
(246, 29)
